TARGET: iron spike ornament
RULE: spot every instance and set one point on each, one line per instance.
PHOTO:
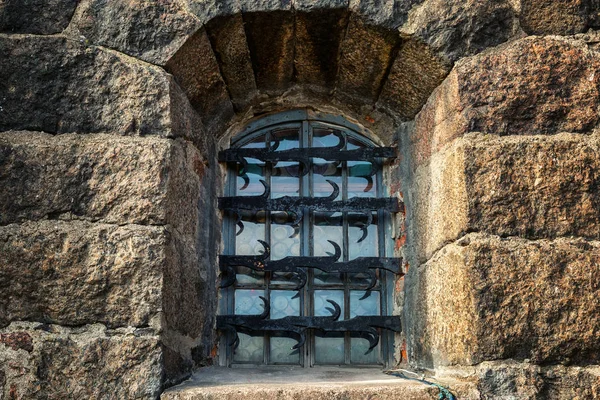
(365, 326)
(296, 265)
(304, 155)
(299, 205)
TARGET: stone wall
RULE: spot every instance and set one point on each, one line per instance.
(111, 113)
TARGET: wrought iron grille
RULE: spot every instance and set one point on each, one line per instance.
(306, 271)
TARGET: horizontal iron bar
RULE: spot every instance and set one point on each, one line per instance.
(295, 265)
(296, 204)
(366, 326)
(303, 155)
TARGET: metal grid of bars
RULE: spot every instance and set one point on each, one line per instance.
(305, 275)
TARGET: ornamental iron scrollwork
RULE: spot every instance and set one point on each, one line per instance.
(299, 205)
(295, 265)
(365, 326)
(304, 155)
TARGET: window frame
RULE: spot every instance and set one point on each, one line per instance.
(261, 126)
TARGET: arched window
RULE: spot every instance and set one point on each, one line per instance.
(307, 267)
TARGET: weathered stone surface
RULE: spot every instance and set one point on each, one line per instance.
(88, 362)
(205, 10)
(527, 87)
(457, 28)
(532, 187)
(386, 13)
(151, 30)
(318, 383)
(318, 38)
(196, 69)
(318, 5)
(57, 85)
(229, 42)
(440, 204)
(36, 16)
(413, 76)
(555, 17)
(486, 298)
(189, 284)
(270, 38)
(367, 53)
(98, 177)
(76, 273)
(509, 380)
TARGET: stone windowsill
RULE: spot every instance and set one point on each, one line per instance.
(283, 382)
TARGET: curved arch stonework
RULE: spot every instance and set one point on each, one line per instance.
(111, 116)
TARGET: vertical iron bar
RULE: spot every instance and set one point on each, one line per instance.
(305, 237)
(268, 275)
(381, 242)
(346, 255)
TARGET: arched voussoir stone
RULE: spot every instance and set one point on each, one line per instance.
(266, 61)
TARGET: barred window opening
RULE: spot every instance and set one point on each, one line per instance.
(307, 267)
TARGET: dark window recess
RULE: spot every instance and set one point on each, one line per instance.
(305, 275)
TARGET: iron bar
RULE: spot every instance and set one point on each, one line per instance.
(365, 326)
(296, 265)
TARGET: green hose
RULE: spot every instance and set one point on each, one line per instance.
(444, 394)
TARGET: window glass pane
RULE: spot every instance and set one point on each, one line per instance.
(324, 308)
(247, 302)
(285, 138)
(327, 226)
(325, 137)
(250, 348)
(329, 348)
(249, 175)
(360, 182)
(284, 180)
(361, 305)
(285, 174)
(284, 303)
(362, 235)
(281, 350)
(246, 241)
(285, 238)
(247, 276)
(324, 171)
(359, 347)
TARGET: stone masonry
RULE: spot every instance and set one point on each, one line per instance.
(111, 116)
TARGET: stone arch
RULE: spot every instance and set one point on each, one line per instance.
(507, 142)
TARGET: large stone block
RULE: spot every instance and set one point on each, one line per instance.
(196, 69)
(57, 85)
(458, 28)
(367, 53)
(527, 87)
(486, 298)
(97, 177)
(105, 178)
(525, 381)
(229, 42)
(75, 273)
(270, 38)
(91, 362)
(534, 187)
(555, 17)
(390, 14)
(36, 16)
(403, 93)
(150, 30)
(318, 38)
